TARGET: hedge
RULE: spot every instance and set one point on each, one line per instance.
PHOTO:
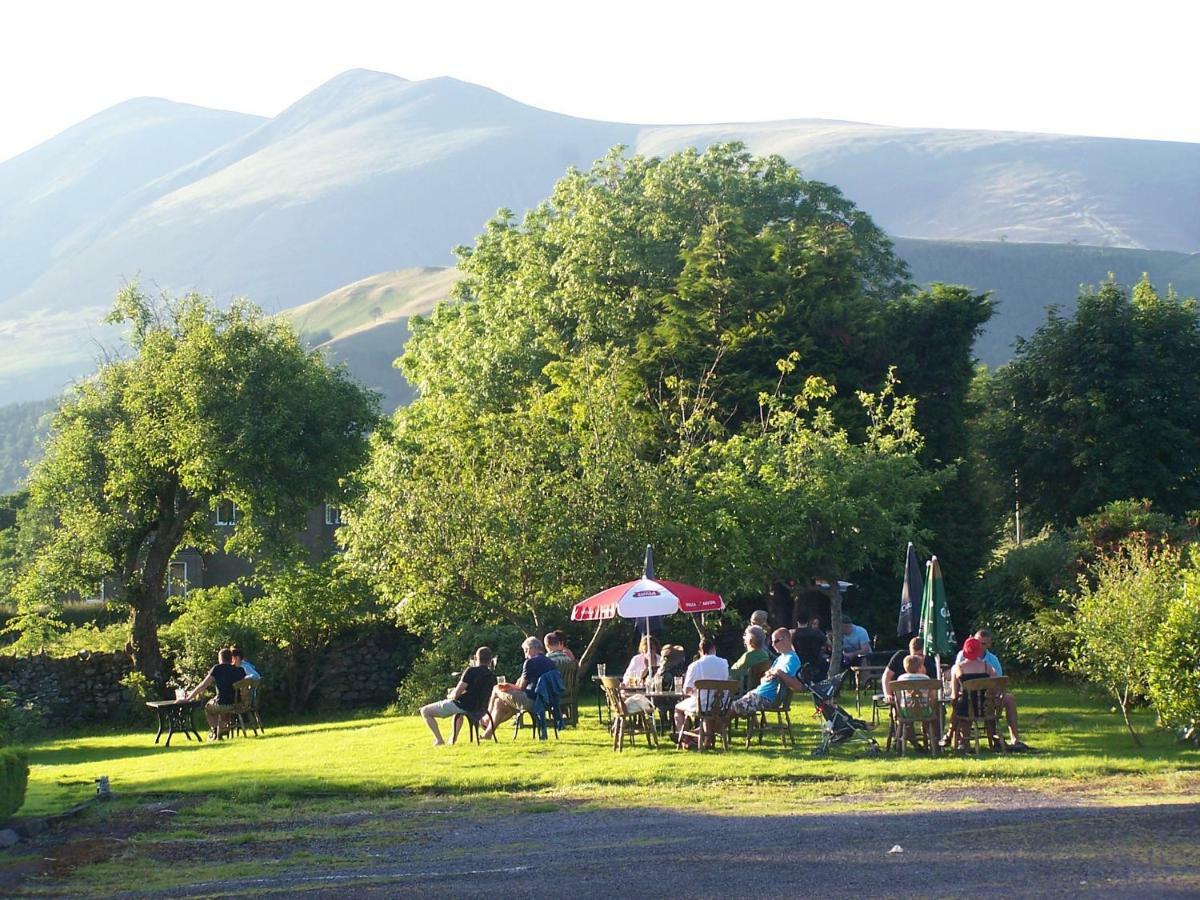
(14, 776)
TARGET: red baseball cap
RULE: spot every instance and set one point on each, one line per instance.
(972, 648)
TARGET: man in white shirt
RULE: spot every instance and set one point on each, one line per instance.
(708, 666)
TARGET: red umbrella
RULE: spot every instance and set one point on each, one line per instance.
(646, 597)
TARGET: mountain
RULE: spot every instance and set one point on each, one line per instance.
(53, 197)
(372, 173)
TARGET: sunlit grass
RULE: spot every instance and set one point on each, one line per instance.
(1078, 741)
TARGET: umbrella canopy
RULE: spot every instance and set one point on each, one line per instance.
(910, 593)
(645, 598)
(935, 613)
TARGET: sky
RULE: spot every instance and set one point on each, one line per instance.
(1096, 68)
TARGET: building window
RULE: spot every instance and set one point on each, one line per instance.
(333, 515)
(226, 512)
(97, 596)
(177, 580)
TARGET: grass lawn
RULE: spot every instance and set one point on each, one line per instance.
(1081, 747)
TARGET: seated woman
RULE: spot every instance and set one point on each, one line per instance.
(644, 662)
(970, 667)
(753, 638)
(639, 670)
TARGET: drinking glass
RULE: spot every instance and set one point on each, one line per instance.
(500, 679)
(678, 685)
(602, 669)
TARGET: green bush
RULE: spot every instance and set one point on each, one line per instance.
(14, 776)
(207, 619)
(1174, 676)
(1118, 619)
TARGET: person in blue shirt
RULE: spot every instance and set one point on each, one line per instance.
(1010, 702)
(239, 660)
(786, 663)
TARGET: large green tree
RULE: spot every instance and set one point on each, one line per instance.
(211, 405)
(1099, 406)
(613, 364)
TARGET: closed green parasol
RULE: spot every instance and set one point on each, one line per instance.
(936, 629)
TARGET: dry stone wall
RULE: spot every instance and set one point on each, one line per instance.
(71, 691)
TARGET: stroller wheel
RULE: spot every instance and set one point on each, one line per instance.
(818, 752)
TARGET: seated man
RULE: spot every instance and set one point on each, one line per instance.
(224, 675)
(555, 651)
(510, 699)
(239, 660)
(754, 638)
(468, 698)
(787, 663)
(895, 667)
(855, 640)
(810, 644)
(1010, 702)
(708, 666)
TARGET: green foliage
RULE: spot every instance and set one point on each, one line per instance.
(430, 676)
(139, 689)
(14, 778)
(1117, 621)
(206, 619)
(667, 351)
(1101, 406)
(301, 610)
(1174, 676)
(20, 720)
(215, 404)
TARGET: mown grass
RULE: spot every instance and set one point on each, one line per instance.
(1079, 744)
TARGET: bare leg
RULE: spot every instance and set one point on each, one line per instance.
(431, 721)
(1010, 713)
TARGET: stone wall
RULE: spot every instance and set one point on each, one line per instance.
(71, 691)
(363, 669)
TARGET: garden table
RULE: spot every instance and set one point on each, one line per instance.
(178, 715)
(863, 676)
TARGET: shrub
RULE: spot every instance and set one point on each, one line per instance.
(1117, 621)
(19, 721)
(1174, 677)
(14, 777)
(207, 619)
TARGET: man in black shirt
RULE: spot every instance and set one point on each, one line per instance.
(895, 666)
(468, 698)
(224, 675)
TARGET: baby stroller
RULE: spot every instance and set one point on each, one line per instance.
(839, 726)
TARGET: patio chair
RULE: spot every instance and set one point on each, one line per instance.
(714, 708)
(234, 720)
(474, 719)
(547, 691)
(624, 722)
(985, 704)
(915, 710)
(757, 723)
(568, 669)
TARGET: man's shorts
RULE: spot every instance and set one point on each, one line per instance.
(687, 705)
(443, 709)
(518, 700)
(750, 703)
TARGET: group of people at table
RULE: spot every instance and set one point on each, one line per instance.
(481, 696)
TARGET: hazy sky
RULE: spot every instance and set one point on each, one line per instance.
(1096, 68)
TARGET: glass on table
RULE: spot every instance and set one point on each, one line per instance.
(678, 684)
(602, 669)
(500, 679)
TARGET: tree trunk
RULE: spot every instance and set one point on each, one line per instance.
(586, 659)
(835, 624)
(1123, 700)
(143, 642)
